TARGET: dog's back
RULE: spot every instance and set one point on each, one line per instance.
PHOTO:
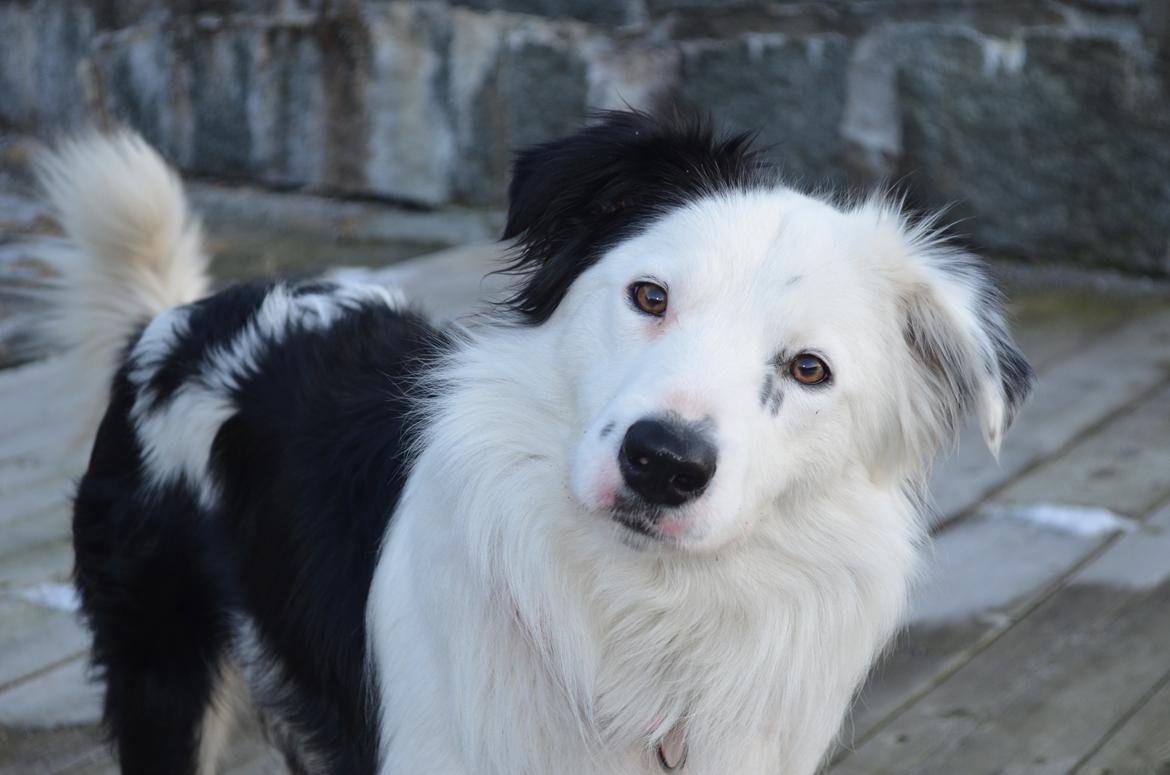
(241, 479)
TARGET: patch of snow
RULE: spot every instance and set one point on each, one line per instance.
(1140, 560)
(60, 597)
(981, 566)
(1086, 521)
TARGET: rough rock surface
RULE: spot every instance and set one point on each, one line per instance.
(1045, 124)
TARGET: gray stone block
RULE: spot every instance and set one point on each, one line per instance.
(516, 84)
(791, 90)
(222, 68)
(665, 6)
(606, 12)
(351, 103)
(1055, 143)
(1156, 25)
(42, 45)
(411, 141)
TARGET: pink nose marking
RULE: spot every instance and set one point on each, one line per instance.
(669, 526)
(687, 405)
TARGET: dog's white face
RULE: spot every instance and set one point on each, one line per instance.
(740, 347)
(752, 344)
(744, 336)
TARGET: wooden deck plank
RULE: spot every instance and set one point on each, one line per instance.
(1126, 469)
(959, 609)
(1049, 691)
(1141, 745)
(34, 637)
(73, 750)
(986, 572)
(1052, 323)
(48, 496)
(39, 564)
(61, 696)
(38, 528)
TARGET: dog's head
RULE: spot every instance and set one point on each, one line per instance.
(731, 343)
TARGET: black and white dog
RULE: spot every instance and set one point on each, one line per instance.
(659, 513)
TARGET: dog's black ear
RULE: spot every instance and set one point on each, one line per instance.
(956, 332)
(573, 198)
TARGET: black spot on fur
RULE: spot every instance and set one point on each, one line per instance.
(572, 199)
(606, 430)
(767, 388)
(771, 394)
(774, 402)
(772, 390)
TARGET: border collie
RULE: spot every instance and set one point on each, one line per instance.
(659, 511)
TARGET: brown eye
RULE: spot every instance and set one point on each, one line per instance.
(649, 298)
(808, 369)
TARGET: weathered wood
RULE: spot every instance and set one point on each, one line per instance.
(1048, 691)
(52, 562)
(1126, 468)
(73, 750)
(34, 637)
(37, 528)
(985, 575)
(48, 496)
(1141, 745)
(986, 572)
(1052, 323)
(61, 696)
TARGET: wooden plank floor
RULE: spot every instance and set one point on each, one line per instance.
(1039, 640)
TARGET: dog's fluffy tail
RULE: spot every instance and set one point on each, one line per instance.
(134, 249)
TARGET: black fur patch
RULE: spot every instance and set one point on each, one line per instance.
(771, 395)
(309, 469)
(213, 322)
(572, 199)
(156, 595)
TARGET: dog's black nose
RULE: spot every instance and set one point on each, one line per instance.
(667, 463)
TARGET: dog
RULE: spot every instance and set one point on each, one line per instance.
(659, 510)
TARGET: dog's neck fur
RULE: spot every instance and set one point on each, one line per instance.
(623, 644)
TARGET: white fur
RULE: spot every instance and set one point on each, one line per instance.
(517, 629)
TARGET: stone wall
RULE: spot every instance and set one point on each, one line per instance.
(1045, 126)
